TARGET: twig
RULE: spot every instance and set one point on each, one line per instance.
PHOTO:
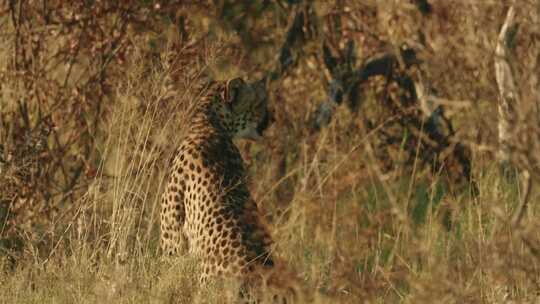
(527, 186)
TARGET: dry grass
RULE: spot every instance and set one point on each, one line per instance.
(354, 232)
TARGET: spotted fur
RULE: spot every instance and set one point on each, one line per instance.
(207, 209)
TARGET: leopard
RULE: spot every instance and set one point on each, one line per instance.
(207, 209)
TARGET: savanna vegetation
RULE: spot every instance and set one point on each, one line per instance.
(383, 176)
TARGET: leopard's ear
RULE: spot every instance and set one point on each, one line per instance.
(232, 89)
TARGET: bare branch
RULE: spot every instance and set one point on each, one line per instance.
(508, 100)
(507, 87)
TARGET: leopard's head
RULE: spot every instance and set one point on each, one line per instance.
(246, 107)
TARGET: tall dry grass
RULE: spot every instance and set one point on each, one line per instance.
(354, 232)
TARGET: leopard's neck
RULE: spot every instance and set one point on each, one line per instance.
(211, 113)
